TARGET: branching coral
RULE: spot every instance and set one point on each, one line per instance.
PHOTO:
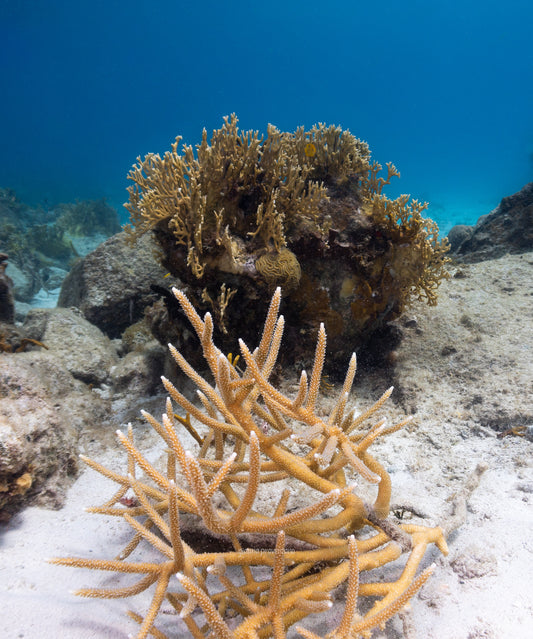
(298, 210)
(256, 439)
(254, 188)
(202, 197)
(415, 262)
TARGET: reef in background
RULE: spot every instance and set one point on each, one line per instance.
(506, 229)
(43, 243)
(305, 211)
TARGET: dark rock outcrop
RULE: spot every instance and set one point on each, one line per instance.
(111, 285)
(7, 301)
(506, 229)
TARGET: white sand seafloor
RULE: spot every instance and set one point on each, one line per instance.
(465, 370)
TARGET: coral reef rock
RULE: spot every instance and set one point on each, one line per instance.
(43, 243)
(306, 211)
(25, 284)
(111, 285)
(78, 345)
(42, 411)
(138, 373)
(506, 229)
(52, 401)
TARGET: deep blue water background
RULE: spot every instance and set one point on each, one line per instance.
(443, 90)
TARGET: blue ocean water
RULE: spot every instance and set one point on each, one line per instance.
(443, 90)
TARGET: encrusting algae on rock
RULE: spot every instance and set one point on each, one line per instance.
(263, 569)
(305, 211)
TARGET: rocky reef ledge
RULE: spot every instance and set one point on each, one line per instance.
(506, 229)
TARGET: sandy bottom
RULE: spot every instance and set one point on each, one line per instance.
(465, 370)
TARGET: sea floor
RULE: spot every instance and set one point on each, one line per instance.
(464, 369)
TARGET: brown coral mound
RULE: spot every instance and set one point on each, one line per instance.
(253, 438)
(230, 214)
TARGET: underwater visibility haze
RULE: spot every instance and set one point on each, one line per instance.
(443, 90)
(268, 488)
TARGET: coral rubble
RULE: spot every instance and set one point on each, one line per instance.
(303, 210)
(253, 439)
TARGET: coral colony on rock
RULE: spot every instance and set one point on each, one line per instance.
(300, 218)
(305, 211)
(266, 565)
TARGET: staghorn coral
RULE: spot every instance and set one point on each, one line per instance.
(232, 211)
(254, 438)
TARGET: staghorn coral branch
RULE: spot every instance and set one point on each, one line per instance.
(275, 524)
(178, 546)
(118, 593)
(360, 419)
(211, 518)
(152, 513)
(156, 476)
(224, 382)
(109, 565)
(358, 465)
(195, 412)
(213, 617)
(221, 474)
(248, 498)
(316, 373)
(302, 392)
(153, 539)
(398, 603)
(352, 593)
(270, 325)
(157, 600)
(249, 445)
(203, 386)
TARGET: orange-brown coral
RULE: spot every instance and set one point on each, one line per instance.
(254, 440)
